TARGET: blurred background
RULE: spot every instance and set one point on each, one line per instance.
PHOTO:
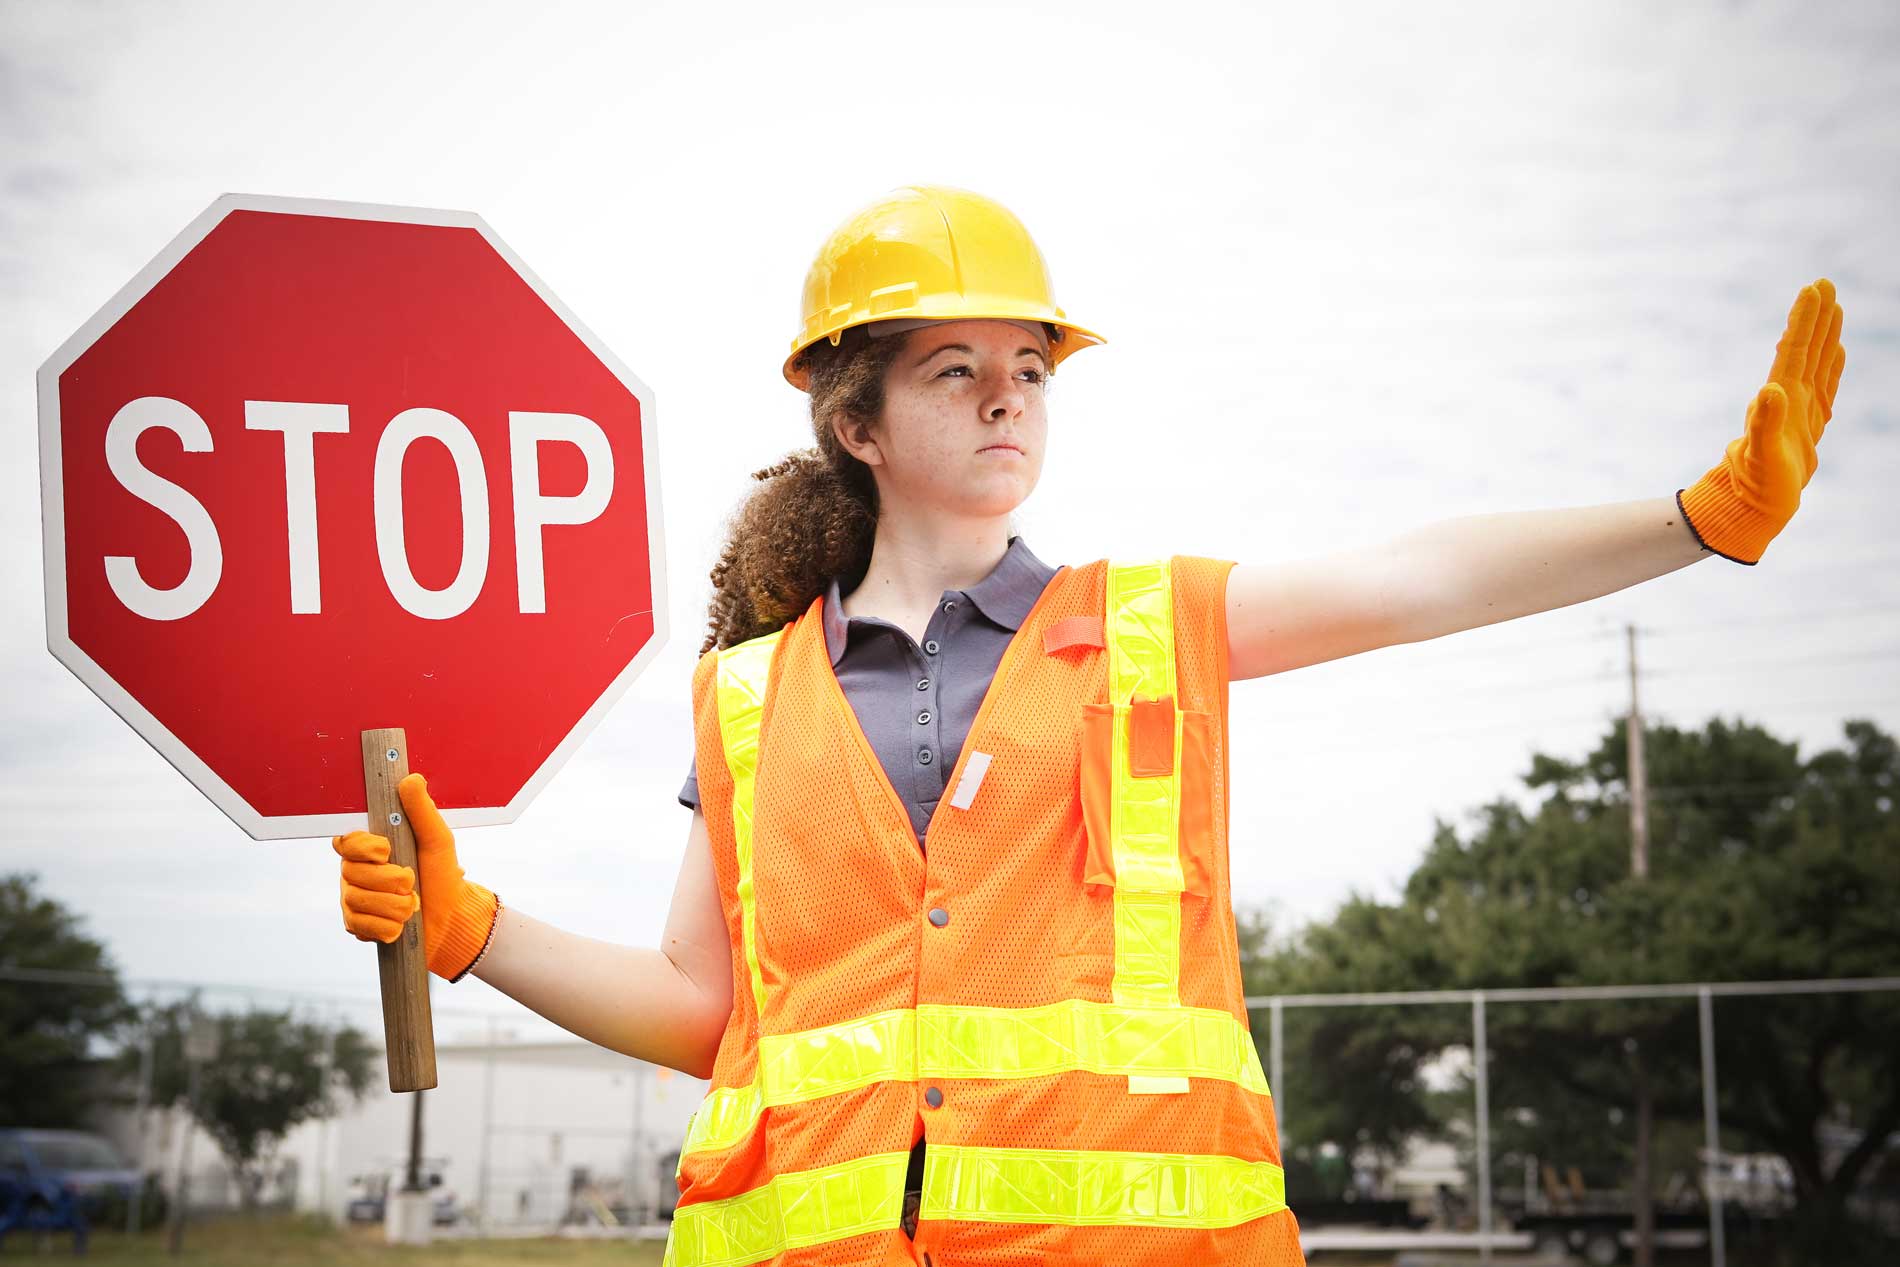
(1361, 267)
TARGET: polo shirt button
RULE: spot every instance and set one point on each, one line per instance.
(939, 916)
(933, 1097)
(923, 756)
(923, 718)
(930, 648)
(923, 683)
(950, 606)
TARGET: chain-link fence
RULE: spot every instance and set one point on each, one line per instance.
(1523, 1119)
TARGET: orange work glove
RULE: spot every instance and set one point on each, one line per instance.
(1738, 507)
(379, 896)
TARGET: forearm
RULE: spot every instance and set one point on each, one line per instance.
(630, 999)
(1481, 569)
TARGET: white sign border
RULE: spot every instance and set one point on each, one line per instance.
(53, 521)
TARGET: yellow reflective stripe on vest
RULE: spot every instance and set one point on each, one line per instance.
(743, 671)
(791, 1211)
(1139, 630)
(1076, 1034)
(808, 1065)
(1144, 813)
(989, 1185)
(944, 1041)
(834, 1058)
(1102, 1189)
(721, 1120)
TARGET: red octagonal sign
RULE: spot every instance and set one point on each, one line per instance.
(325, 467)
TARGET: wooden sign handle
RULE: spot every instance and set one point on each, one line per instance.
(408, 1031)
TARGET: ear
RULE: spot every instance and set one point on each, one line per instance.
(856, 438)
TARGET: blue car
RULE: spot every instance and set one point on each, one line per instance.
(45, 1169)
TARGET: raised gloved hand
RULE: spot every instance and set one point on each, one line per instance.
(1739, 505)
(379, 896)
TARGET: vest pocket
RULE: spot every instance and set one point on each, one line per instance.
(1167, 808)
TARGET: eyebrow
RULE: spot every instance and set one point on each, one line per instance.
(970, 351)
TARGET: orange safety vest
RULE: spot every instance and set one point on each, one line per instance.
(1050, 997)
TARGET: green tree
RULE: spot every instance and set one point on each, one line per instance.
(270, 1073)
(1762, 866)
(48, 1025)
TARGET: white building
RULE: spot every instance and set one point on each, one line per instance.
(516, 1126)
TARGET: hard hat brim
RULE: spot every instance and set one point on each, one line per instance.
(1074, 337)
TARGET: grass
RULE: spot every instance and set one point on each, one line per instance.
(316, 1241)
(297, 1240)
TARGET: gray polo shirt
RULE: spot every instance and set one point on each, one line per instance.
(916, 703)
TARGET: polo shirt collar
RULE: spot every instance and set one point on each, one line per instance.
(1005, 596)
(1012, 587)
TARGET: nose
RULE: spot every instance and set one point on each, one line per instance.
(1005, 401)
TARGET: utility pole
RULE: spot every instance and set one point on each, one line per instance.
(409, 1214)
(1639, 776)
(182, 1189)
(412, 1176)
(133, 1209)
(488, 1124)
(637, 1208)
(1639, 1069)
(326, 1058)
(201, 1047)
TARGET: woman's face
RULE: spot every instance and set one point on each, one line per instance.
(964, 425)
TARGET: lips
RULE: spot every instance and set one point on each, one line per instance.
(991, 448)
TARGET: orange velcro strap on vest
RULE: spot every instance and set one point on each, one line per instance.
(1073, 631)
(1151, 737)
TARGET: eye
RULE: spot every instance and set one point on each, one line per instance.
(1033, 374)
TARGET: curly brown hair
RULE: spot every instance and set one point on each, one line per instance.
(815, 515)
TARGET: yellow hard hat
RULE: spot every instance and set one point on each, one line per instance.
(929, 252)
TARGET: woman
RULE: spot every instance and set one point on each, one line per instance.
(953, 938)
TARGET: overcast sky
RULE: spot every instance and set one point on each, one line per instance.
(1361, 267)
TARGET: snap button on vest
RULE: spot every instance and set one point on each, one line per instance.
(939, 916)
(933, 1097)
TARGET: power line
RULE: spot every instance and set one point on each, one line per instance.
(156, 985)
(1776, 787)
(1826, 657)
(1607, 674)
(1537, 646)
(1530, 726)
(1547, 645)
(1464, 691)
(1782, 662)
(1345, 706)
(1809, 616)
(1767, 787)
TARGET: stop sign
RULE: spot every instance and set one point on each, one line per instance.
(327, 467)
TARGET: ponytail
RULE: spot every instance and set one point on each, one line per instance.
(814, 515)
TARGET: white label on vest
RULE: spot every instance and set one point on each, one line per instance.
(973, 771)
(1151, 1084)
